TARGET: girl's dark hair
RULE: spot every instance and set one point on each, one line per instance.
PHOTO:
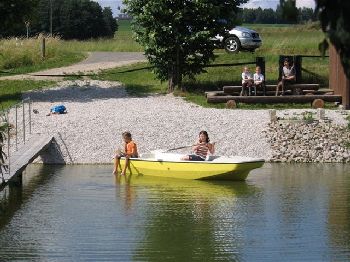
(126, 134)
(206, 134)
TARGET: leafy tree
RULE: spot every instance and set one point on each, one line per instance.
(14, 14)
(111, 25)
(289, 10)
(76, 19)
(306, 14)
(335, 21)
(176, 33)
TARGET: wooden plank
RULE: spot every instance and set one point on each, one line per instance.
(338, 80)
(26, 154)
(274, 99)
(235, 89)
(214, 93)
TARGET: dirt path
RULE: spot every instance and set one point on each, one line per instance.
(95, 62)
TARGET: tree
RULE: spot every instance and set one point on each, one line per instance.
(176, 33)
(335, 21)
(306, 14)
(76, 19)
(111, 25)
(14, 14)
(289, 10)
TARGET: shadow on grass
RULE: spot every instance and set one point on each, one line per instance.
(140, 90)
(8, 100)
(204, 86)
(75, 93)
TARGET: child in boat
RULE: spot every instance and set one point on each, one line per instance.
(130, 150)
(201, 148)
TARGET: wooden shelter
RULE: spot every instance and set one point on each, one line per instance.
(338, 81)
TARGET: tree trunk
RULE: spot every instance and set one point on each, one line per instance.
(171, 79)
(175, 73)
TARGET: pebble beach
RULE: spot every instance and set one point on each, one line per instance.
(99, 111)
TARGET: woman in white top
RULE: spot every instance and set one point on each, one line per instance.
(259, 80)
(288, 76)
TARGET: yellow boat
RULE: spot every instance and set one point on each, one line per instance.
(170, 165)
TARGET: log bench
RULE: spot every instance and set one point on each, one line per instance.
(273, 99)
(294, 88)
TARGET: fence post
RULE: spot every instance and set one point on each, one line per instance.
(298, 66)
(16, 128)
(8, 143)
(24, 124)
(260, 61)
(30, 116)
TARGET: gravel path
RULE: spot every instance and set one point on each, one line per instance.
(98, 113)
(95, 62)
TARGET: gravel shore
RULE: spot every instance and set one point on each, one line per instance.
(99, 111)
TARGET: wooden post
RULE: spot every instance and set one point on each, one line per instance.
(43, 47)
(260, 61)
(297, 62)
(337, 78)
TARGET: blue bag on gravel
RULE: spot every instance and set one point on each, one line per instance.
(60, 109)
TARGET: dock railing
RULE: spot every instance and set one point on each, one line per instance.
(18, 119)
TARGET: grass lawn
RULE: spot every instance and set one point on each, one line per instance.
(11, 90)
(122, 42)
(24, 55)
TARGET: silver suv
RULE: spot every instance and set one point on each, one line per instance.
(239, 39)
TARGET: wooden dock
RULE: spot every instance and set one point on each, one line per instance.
(25, 155)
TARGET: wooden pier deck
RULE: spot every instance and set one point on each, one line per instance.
(26, 154)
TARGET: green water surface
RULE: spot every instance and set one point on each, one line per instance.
(83, 213)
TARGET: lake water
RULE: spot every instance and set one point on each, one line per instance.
(83, 213)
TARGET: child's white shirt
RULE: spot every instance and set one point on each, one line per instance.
(258, 77)
(246, 76)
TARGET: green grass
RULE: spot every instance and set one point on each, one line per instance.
(137, 78)
(122, 42)
(24, 55)
(11, 90)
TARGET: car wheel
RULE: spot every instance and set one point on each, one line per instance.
(232, 44)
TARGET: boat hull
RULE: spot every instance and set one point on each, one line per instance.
(192, 170)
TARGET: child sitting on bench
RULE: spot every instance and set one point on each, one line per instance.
(259, 80)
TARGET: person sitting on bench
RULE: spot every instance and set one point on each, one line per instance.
(288, 77)
(259, 80)
(247, 81)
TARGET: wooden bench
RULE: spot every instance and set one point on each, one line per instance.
(274, 99)
(295, 88)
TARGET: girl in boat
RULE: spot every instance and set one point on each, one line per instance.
(201, 148)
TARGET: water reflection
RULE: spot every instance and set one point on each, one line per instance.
(13, 197)
(191, 219)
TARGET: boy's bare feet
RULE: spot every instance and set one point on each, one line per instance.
(122, 174)
(115, 172)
